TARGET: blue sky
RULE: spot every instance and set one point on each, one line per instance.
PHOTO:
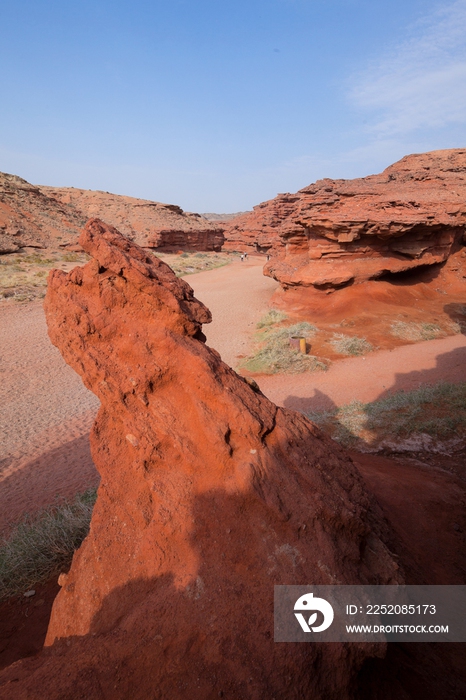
(217, 105)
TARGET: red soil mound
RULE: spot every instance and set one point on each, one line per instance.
(209, 496)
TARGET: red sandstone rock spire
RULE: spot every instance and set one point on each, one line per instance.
(209, 496)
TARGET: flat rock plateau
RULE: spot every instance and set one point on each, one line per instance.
(335, 233)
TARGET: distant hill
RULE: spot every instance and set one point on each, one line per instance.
(52, 217)
(29, 217)
(223, 217)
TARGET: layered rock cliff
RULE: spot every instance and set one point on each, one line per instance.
(53, 217)
(149, 224)
(210, 495)
(339, 232)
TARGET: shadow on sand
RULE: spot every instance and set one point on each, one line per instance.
(56, 475)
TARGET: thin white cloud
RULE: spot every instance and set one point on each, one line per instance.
(420, 83)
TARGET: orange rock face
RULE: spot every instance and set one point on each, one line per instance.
(209, 496)
(339, 232)
(149, 224)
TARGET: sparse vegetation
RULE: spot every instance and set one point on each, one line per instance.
(23, 276)
(350, 345)
(189, 263)
(436, 410)
(271, 318)
(417, 331)
(71, 257)
(275, 353)
(43, 544)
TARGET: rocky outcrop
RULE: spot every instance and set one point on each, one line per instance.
(53, 217)
(29, 218)
(149, 224)
(209, 496)
(339, 232)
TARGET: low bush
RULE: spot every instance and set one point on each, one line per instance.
(271, 318)
(415, 331)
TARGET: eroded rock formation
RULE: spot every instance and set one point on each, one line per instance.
(149, 224)
(29, 218)
(210, 494)
(338, 232)
(53, 217)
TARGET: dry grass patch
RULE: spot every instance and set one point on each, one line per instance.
(43, 544)
(23, 276)
(436, 410)
(189, 263)
(350, 344)
(271, 318)
(274, 353)
(416, 332)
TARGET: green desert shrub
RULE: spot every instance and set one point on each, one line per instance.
(43, 544)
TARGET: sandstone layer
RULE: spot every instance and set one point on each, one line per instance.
(149, 224)
(30, 218)
(209, 496)
(53, 217)
(339, 232)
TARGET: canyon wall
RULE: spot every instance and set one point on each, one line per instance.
(29, 218)
(340, 232)
(52, 218)
(149, 224)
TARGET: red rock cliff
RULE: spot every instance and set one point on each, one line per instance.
(53, 217)
(209, 496)
(149, 224)
(337, 232)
